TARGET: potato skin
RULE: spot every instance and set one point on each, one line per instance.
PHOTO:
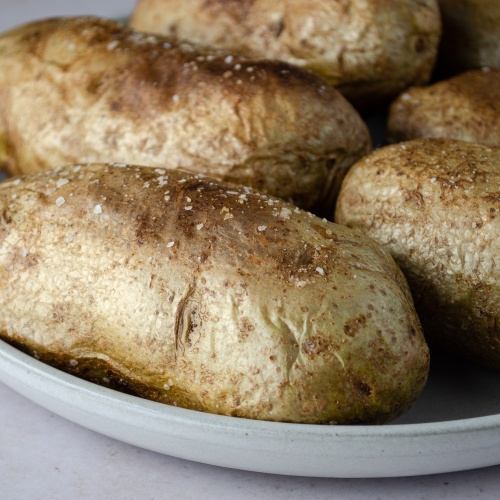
(465, 107)
(206, 295)
(435, 205)
(471, 35)
(369, 49)
(77, 90)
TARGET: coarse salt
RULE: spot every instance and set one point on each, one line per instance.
(112, 45)
(285, 213)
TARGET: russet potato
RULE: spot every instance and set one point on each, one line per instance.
(206, 295)
(465, 107)
(370, 50)
(77, 90)
(435, 205)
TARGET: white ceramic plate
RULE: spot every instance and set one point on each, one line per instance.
(454, 426)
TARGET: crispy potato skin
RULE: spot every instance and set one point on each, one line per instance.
(206, 295)
(471, 38)
(370, 50)
(465, 107)
(89, 90)
(435, 205)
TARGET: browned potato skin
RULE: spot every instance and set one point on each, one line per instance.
(435, 205)
(370, 50)
(465, 107)
(471, 35)
(90, 90)
(206, 295)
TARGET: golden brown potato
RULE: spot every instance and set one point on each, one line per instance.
(369, 49)
(435, 205)
(465, 107)
(471, 35)
(206, 295)
(88, 90)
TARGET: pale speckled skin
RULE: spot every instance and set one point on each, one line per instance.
(78, 90)
(465, 107)
(435, 205)
(206, 295)
(471, 35)
(369, 49)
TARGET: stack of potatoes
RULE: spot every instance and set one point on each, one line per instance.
(166, 230)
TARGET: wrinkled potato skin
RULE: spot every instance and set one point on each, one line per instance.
(81, 90)
(211, 297)
(465, 108)
(435, 205)
(370, 50)
(471, 35)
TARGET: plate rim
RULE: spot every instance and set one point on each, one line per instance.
(34, 380)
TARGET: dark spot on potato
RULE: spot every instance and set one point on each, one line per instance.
(31, 260)
(304, 258)
(147, 228)
(245, 328)
(353, 325)
(277, 28)
(420, 45)
(415, 197)
(365, 388)
(5, 217)
(202, 257)
(116, 106)
(330, 163)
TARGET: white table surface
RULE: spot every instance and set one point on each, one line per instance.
(43, 456)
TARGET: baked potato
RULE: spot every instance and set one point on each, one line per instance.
(435, 205)
(471, 35)
(90, 90)
(465, 107)
(206, 295)
(371, 50)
